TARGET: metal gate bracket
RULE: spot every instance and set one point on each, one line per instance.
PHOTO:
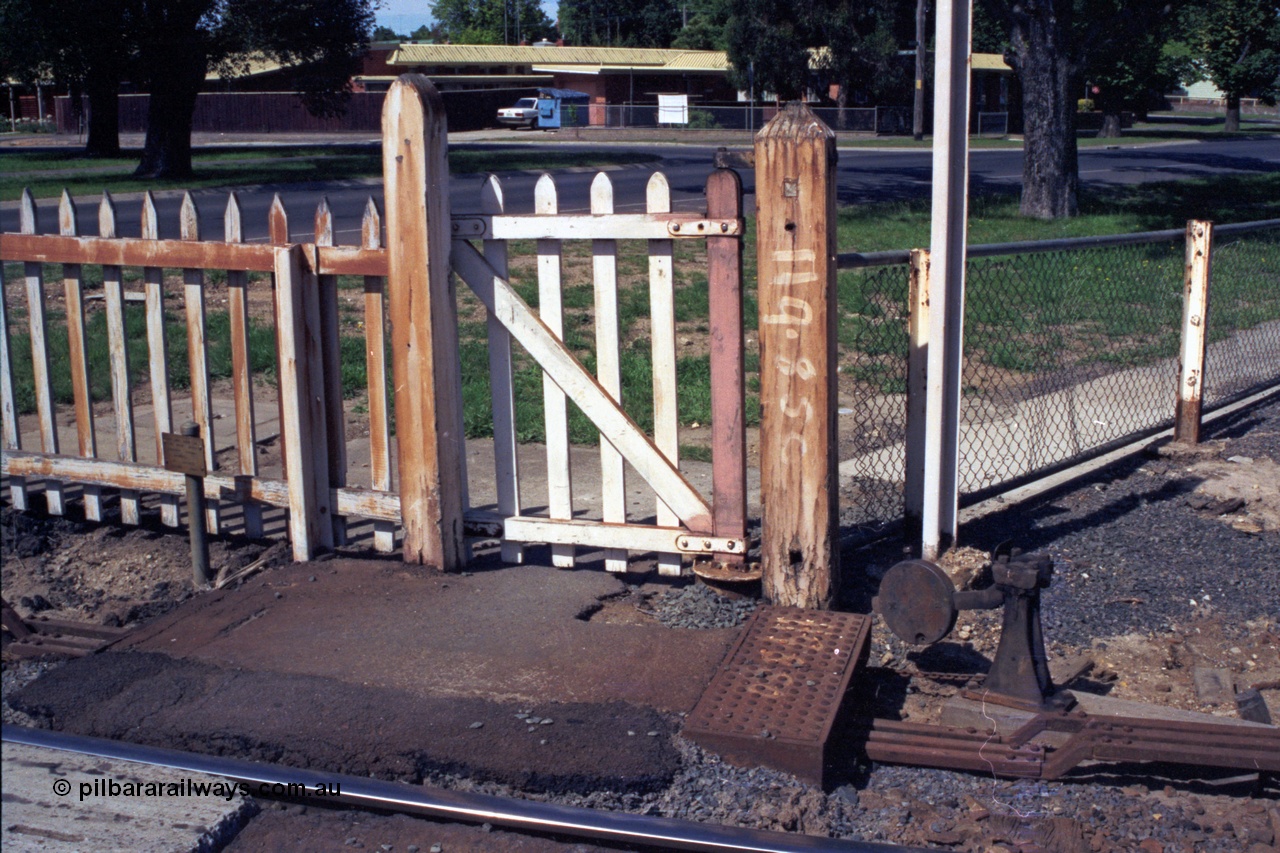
(695, 544)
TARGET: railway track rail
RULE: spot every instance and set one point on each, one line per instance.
(440, 804)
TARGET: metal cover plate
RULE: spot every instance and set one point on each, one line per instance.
(775, 696)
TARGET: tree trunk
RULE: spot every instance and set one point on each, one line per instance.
(104, 117)
(167, 151)
(1041, 55)
(1110, 125)
(1232, 123)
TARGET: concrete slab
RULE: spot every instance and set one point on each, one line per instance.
(163, 814)
(520, 633)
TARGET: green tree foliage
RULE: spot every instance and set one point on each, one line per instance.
(863, 41)
(85, 46)
(702, 25)
(381, 33)
(1238, 46)
(620, 23)
(1123, 53)
(429, 33)
(178, 41)
(491, 21)
(768, 45)
(805, 45)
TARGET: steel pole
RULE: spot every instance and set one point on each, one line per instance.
(947, 254)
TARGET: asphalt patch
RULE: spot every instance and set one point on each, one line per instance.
(323, 724)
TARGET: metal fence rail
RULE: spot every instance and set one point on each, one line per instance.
(1071, 348)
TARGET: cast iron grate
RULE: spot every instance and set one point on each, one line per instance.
(775, 696)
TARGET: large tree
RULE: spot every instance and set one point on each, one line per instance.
(1042, 53)
(620, 23)
(86, 46)
(1123, 50)
(491, 21)
(179, 41)
(1238, 45)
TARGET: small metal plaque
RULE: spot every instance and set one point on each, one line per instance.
(184, 454)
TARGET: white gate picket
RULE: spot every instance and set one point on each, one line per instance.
(555, 404)
(604, 263)
(501, 387)
(662, 333)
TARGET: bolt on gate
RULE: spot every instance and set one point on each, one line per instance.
(408, 284)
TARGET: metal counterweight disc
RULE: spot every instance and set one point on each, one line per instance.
(916, 602)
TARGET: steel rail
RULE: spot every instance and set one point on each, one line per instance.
(524, 815)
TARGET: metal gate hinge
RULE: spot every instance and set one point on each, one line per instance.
(706, 228)
(695, 544)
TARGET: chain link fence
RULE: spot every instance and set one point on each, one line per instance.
(883, 121)
(1071, 349)
(1244, 313)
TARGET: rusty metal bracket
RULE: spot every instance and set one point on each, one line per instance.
(39, 637)
(1254, 748)
(706, 228)
(695, 543)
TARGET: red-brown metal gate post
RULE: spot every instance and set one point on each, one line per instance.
(728, 374)
(1195, 320)
(424, 338)
(796, 244)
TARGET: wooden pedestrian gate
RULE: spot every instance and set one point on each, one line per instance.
(686, 522)
(408, 280)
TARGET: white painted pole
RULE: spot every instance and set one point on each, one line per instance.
(947, 252)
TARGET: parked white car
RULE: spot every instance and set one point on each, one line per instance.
(523, 114)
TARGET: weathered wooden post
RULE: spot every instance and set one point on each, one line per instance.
(1195, 323)
(795, 200)
(424, 336)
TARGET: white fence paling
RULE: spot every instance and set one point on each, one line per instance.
(73, 287)
(158, 355)
(662, 333)
(12, 436)
(43, 375)
(604, 265)
(555, 403)
(193, 292)
(375, 338)
(501, 383)
(122, 400)
(330, 351)
(241, 376)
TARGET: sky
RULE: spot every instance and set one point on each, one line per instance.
(404, 16)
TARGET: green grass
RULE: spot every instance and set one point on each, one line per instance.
(46, 175)
(1035, 313)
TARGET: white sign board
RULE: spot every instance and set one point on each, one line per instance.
(673, 109)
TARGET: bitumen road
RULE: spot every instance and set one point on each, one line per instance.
(864, 176)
